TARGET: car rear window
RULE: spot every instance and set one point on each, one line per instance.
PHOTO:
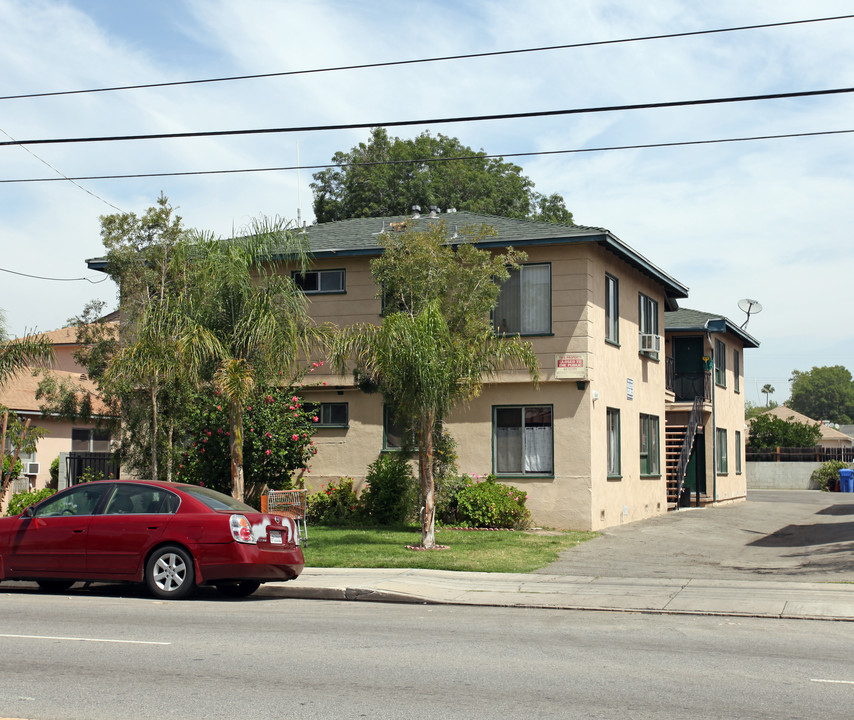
(217, 500)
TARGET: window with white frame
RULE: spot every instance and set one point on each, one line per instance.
(613, 442)
(525, 303)
(721, 451)
(317, 282)
(523, 440)
(612, 309)
(649, 445)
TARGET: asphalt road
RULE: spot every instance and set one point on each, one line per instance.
(776, 535)
(98, 655)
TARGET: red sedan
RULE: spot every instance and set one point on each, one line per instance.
(171, 537)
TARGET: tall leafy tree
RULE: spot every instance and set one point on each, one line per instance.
(768, 390)
(771, 431)
(388, 175)
(436, 344)
(824, 393)
(246, 322)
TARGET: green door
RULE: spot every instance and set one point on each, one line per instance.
(689, 380)
(695, 474)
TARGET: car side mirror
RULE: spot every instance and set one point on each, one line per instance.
(29, 512)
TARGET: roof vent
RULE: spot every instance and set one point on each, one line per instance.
(451, 210)
(434, 211)
(83, 376)
(416, 211)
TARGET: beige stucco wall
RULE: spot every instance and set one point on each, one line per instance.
(579, 494)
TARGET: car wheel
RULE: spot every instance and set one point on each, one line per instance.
(169, 573)
(240, 589)
(54, 585)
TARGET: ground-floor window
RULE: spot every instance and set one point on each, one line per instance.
(721, 451)
(393, 431)
(523, 440)
(90, 440)
(649, 454)
(614, 469)
(330, 414)
(738, 452)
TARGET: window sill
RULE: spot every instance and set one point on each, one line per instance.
(612, 343)
(650, 477)
(332, 427)
(649, 355)
(615, 477)
(529, 476)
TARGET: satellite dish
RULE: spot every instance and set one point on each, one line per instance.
(750, 307)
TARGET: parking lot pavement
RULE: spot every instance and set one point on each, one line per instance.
(792, 535)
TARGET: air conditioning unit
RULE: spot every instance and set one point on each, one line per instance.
(32, 468)
(650, 343)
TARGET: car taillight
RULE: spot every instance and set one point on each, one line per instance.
(241, 530)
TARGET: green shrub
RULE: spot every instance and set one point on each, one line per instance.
(488, 503)
(16, 469)
(54, 473)
(334, 504)
(447, 490)
(21, 501)
(827, 474)
(390, 496)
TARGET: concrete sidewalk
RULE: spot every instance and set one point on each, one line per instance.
(759, 598)
(781, 554)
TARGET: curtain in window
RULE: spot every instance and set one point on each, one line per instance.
(536, 298)
(538, 450)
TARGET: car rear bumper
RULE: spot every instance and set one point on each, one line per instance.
(239, 561)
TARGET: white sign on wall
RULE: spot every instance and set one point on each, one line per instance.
(571, 366)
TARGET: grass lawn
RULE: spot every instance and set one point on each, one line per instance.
(472, 550)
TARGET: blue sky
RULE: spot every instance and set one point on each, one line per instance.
(770, 220)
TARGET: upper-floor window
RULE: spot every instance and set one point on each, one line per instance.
(320, 281)
(525, 303)
(736, 370)
(720, 363)
(648, 325)
(612, 309)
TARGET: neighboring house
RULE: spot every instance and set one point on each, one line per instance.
(586, 446)
(830, 436)
(706, 431)
(63, 437)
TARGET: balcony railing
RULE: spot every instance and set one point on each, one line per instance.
(687, 386)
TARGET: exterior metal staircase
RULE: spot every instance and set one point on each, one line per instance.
(679, 442)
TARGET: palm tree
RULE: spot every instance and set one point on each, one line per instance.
(424, 371)
(19, 354)
(768, 390)
(246, 324)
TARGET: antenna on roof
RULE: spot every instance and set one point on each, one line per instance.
(299, 194)
(749, 306)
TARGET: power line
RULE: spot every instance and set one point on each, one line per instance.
(62, 176)
(484, 156)
(431, 121)
(465, 56)
(40, 277)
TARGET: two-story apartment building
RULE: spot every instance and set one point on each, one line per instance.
(587, 445)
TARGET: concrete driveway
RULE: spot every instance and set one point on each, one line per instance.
(793, 535)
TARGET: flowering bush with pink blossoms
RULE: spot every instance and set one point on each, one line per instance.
(277, 441)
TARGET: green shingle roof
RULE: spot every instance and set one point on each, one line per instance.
(695, 320)
(360, 236)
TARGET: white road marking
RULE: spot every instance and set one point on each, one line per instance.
(836, 682)
(81, 639)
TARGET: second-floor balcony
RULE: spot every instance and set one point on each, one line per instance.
(687, 385)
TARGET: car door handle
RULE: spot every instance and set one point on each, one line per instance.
(79, 530)
(153, 527)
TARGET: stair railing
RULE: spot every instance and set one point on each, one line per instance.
(688, 445)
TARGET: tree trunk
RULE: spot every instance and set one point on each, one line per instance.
(428, 485)
(154, 431)
(236, 447)
(169, 456)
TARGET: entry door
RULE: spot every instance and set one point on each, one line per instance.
(688, 367)
(695, 474)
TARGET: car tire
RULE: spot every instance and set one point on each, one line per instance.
(240, 589)
(54, 585)
(169, 573)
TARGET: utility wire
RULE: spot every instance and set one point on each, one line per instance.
(466, 56)
(418, 161)
(62, 176)
(431, 121)
(40, 277)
